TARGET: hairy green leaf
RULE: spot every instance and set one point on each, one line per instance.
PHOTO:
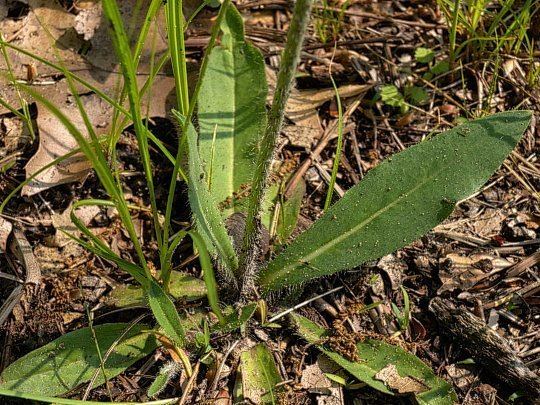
(165, 313)
(399, 200)
(182, 287)
(205, 211)
(232, 112)
(72, 359)
(375, 356)
(259, 376)
(235, 318)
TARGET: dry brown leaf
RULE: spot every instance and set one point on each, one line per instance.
(403, 385)
(5, 231)
(302, 108)
(463, 271)
(62, 222)
(55, 141)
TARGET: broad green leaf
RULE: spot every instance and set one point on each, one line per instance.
(165, 313)
(399, 201)
(424, 55)
(67, 401)
(259, 376)
(375, 356)
(205, 210)
(232, 113)
(390, 95)
(72, 359)
(416, 95)
(182, 287)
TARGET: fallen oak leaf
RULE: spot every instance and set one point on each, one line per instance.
(403, 385)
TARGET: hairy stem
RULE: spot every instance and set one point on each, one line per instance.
(289, 63)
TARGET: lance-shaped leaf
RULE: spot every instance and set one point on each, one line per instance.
(73, 359)
(258, 376)
(205, 211)
(411, 375)
(165, 313)
(231, 112)
(399, 200)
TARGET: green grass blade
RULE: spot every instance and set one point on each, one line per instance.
(184, 123)
(123, 51)
(339, 147)
(208, 275)
(99, 163)
(98, 247)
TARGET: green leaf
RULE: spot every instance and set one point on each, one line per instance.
(166, 373)
(399, 201)
(440, 68)
(205, 211)
(165, 313)
(259, 376)
(213, 3)
(232, 106)
(236, 319)
(72, 359)
(416, 95)
(390, 95)
(375, 356)
(181, 287)
(424, 55)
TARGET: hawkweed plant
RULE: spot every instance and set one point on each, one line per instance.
(226, 144)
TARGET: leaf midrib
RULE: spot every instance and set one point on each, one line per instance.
(332, 243)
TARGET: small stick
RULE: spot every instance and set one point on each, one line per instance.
(302, 304)
(486, 346)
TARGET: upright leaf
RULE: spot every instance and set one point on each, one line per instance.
(375, 356)
(399, 200)
(231, 112)
(165, 313)
(259, 376)
(205, 211)
(72, 359)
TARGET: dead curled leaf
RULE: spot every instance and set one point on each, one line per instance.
(302, 109)
(403, 385)
(5, 231)
(55, 141)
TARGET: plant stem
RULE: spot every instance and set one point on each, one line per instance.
(289, 63)
(453, 32)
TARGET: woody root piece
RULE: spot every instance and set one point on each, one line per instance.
(486, 346)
